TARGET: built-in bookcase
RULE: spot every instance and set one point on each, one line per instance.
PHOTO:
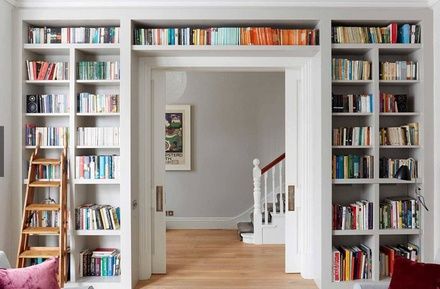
(81, 191)
(378, 189)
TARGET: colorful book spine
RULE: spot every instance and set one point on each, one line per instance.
(352, 167)
(348, 69)
(388, 167)
(46, 70)
(352, 136)
(97, 217)
(49, 136)
(352, 103)
(101, 103)
(98, 70)
(66, 35)
(398, 70)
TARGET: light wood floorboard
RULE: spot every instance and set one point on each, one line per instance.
(216, 259)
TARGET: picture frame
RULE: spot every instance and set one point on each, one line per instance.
(178, 137)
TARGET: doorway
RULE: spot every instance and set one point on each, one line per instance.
(155, 223)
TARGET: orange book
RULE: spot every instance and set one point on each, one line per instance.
(43, 70)
(254, 36)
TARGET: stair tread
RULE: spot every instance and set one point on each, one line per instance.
(245, 227)
(46, 162)
(43, 207)
(42, 231)
(45, 184)
(40, 252)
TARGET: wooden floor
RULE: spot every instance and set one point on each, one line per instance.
(216, 259)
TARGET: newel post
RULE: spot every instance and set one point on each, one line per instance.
(258, 236)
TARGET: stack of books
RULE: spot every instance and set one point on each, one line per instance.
(356, 216)
(46, 70)
(49, 136)
(100, 103)
(226, 36)
(388, 254)
(393, 103)
(399, 213)
(47, 103)
(352, 167)
(393, 33)
(399, 70)
(98, 136)
(352, 136)
(97, 217)
(352, 103)
(98, 167)
(41, 35)
(388, 167)
(100, 262)
(98, 70)
(348, 69)
(405, 135)
(351, 263)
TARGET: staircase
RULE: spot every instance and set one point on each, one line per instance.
(267, 221)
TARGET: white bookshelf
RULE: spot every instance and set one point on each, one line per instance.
(377, 189)
(81, 191)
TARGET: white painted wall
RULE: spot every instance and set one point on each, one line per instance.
(237, 116)
(5, 120)
(436, 10)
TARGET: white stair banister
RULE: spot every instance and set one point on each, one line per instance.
(258, 238)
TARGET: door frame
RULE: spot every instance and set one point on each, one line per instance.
(145, 70)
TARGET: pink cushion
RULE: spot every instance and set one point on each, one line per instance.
(41, 276)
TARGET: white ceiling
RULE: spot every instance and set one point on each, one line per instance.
(219, 3)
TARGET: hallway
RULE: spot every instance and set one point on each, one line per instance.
(217, 259)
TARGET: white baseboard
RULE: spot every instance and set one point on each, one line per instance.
(227, 223)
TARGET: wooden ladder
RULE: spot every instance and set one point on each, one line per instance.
(24, 250)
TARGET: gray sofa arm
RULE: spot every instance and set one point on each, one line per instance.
(371, 285)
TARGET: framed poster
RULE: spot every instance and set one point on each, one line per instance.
(178, 138)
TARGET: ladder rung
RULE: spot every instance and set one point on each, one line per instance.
(46, 162)
(40, 252)
(42, 231)
(44, 184)
(43, 207)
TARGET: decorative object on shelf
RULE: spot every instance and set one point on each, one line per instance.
(178, 137)
(47, 103)
(225, 36)
(388, 168)
(403, 173)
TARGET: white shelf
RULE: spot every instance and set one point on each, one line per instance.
(97, 147)
(352, 114)
(97, 181)
(352, 147)
(98, 282)
(97, 232)
(45, 147)
(397, 181)
(98, 114)
(353, 232)
(400, 147)
(394, 114)
(64, 48)
(48, 82)
(63, 114)
(399, 82)
(226, 50)
(394, 48)
(100, 82)
(352, 82)
(399, 231)
(353, 181)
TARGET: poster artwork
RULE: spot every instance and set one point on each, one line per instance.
(174, 144)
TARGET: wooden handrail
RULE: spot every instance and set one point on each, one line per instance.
(273, 163)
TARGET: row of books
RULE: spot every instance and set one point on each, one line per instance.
(393, 103)
(98, 103)
(399, 213)
(100, 262)
(352, 167)
(47, 103)
(49, 136)
(399, 70)
(49, 35)
(226, 36)
(47, 70)
(97, 217)
(348, 69)
(97, 167)
(98, 70)
(98, 136)
(407, 134)
(352, 103)
(388, 254)
(44, 218)
(355, 216)
(351, 263)
(393, 33)
(352, 136)
(388, 167)
(47, 172)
